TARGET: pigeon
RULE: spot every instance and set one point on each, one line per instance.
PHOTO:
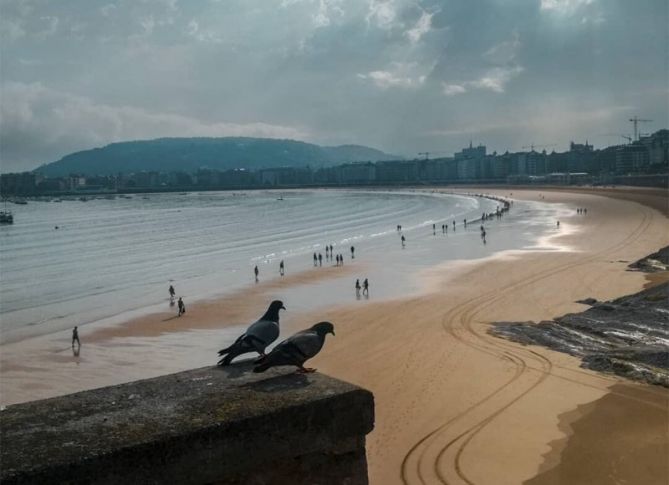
(297, 349)
(257, 337)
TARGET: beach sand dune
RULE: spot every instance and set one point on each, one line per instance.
(454, 404)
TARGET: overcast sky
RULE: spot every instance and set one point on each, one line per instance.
(404, 76)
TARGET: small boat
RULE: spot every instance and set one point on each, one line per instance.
(6, 217)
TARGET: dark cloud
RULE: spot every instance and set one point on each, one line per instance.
(401, 75)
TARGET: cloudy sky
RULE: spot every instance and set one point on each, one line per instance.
(405, 76)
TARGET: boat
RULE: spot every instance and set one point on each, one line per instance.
(6, 217)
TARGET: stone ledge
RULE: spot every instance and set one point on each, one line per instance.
(213, 424)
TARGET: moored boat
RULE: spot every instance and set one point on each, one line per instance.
(6, 217)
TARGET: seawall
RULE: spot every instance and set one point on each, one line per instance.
(208, 425)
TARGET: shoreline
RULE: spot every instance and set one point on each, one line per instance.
(448, 395)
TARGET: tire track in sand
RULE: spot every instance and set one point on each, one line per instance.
(412, 469)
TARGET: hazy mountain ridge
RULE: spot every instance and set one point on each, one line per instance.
(189, 154)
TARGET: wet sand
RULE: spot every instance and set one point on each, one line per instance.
(453, 404)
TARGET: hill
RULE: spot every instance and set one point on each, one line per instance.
(189, 154)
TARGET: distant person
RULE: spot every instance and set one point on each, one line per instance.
(365, 287)
(172, 292)
(182, 307)
(585, 211)
(281, 268)
(454, 225)
(558, 223)
(465, 222)
(315, 260)
(256, 272)
(404, 240)
(352, 252)
(75, 337)
(320, 259)
(341, 259)
(357, 288)
(331, 249)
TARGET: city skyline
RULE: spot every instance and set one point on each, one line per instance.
(401, 76)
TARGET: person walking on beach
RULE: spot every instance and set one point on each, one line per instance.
(256, 271)
(172, 292)
(75, 337)
(320, 259)
(281, 268)
(181, 306)
(341, 259)
(365, 287)
(558, 223)
(357, 288)
(403, 240)
(352, 252)
(315, 260)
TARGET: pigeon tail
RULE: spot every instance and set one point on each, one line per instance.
(227, 360)
(262, 367)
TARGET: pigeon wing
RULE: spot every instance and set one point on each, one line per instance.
(264, 330)
(295, 350)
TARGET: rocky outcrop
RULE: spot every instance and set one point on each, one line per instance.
(628, 336)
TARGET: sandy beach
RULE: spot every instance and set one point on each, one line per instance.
(453, 403)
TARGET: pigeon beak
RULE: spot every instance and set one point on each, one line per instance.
(283, 307)
(332, 332)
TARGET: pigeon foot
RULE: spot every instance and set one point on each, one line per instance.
(305, 370)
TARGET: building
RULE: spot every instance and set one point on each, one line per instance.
(23, 183)
(358, 173)
(579, 157)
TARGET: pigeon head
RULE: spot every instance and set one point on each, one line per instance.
(272, 312)
(323, 328)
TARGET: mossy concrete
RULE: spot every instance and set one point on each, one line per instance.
(209, 425)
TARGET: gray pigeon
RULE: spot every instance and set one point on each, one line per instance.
(297, 349)
(257, 337)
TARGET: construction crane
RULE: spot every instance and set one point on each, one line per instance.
(532, 146)
(427, 154)
(635, 121)
(626, 137)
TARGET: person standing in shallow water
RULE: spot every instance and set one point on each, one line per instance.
(365, 287)
(320, 259)
(172, 292)
(281, 268)
(75, 337)
(182, 307)
(357, 288)
(315, 260)
(256, 271)
(352, 252)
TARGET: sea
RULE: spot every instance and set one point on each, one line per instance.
(77, 262)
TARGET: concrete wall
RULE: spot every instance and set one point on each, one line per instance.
(209, 425)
